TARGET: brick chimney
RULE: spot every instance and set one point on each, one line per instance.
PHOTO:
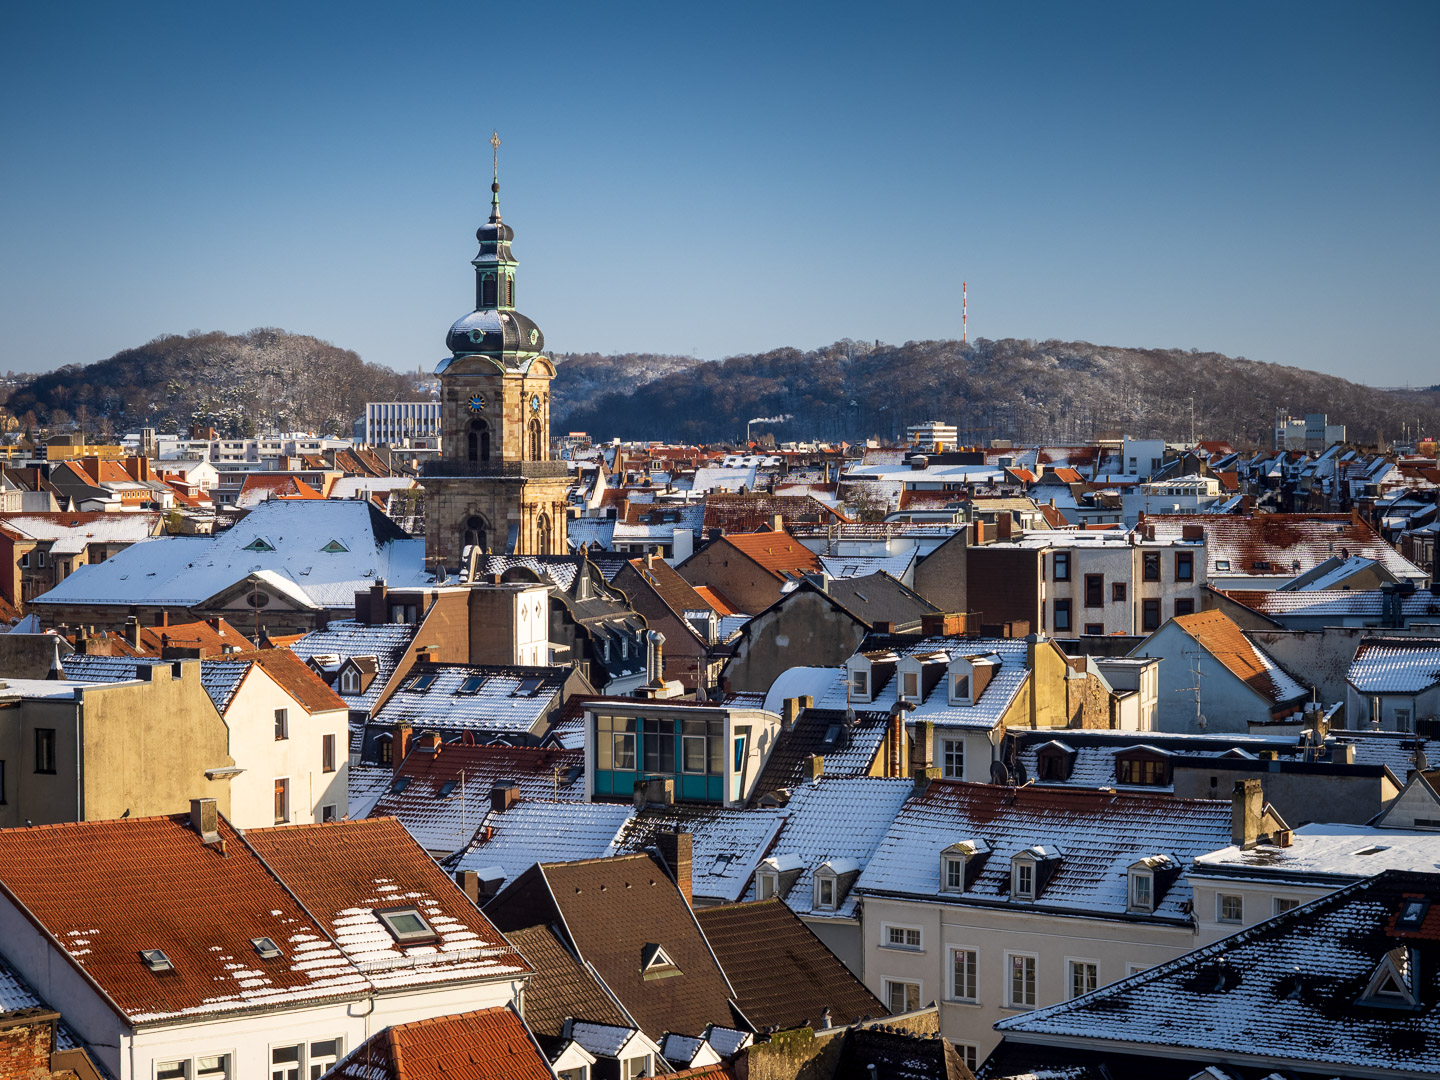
(401, 746)
(675, 851)
(1247, 803)
(378, 592)
(1003, 523)
(777, 523)
(504, 796)
(791, 708)
(922, 746)
(132, 631)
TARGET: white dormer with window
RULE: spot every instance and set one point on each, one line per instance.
(833, 879)
(956, 864)
(968, 676)
(1142, 888)
(910, 680)
(1030, 870)
(1395, 983)
(775, 876)
(858, 671)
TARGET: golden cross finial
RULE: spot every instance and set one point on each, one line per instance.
(495, 145)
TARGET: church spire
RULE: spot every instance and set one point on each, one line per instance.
(495, 184)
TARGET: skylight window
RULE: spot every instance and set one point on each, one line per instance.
(400, 784)
(334, 547)
(1373, 849)
(267, 948)
(446, 788)
(1412, 915)
(405, 924)
(471, 685)
(421, 683)
(156, 960)
(528, 686)
(259, 544)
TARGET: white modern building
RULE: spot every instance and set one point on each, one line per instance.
(933, 436)
(390, 423)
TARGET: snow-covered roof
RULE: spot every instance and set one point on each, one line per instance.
(726, 845)
(835, 818)
(466, 697)
(1329, 853)
(1096, 835)
(854, 566)
(386, 643)
(1395, 665)
(533, 831)
(287, 539)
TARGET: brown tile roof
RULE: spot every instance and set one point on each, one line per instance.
(716, 599)
(210, 639)
(782, 973)
(281, 487)
(716, 1072)
(561, 987)
(612, 908)
(487, 1044)
(294, 676)
(1223, 639)
(779, 553)
(1281, 544)
(341, 869)
(673, 590)
(734, 513)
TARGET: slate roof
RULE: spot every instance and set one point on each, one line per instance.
(561, 986)
(501, 705)
(1390, 665)
(726, 845)
(16, 996)
(447, 822)
(487, 1044)
(850, 566)
(1099, 835)
(533, 831)
(1334, 603)
(611, 910)
(783, 975)
(823, 732)
(899, 1055)
(220, 676)
(72, 533)
(387, 643)
(1283, 991)
(878, 597)
(844, 818)
(1224, 640)
(186, 571)
(202, 908)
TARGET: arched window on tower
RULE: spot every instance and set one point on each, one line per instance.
(479, 442)
(475, 533)
(509, 292)
(537, 442)
(542, 535)
(487, 291)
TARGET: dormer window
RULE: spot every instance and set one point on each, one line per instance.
(910, 686)
(1394, 983)
(860, 684)
(1031, 869)
(655, 963)
(350, 681)
(825, 892)
(766, 885)
(334, 547)
(960, 862)
(259, 544)
(1023, 880)
(962, 688)
(1142, 891)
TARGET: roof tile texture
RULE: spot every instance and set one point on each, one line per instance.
(487, 1044)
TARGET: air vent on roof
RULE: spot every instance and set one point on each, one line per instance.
(267, 949)
(1373, 849)
(156, 960)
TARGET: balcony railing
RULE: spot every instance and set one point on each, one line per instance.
(530, 470)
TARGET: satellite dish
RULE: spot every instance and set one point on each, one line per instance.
(999, 774)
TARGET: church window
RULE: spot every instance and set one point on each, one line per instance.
(542, 534)
(537, 442)
(487, 291)
(474, 532)
(479, 441)
(509, 292)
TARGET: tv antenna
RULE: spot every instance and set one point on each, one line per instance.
(964, 312)
(1200, 720)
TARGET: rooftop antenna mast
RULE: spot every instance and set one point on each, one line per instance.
(964, 312)
(1200, 720)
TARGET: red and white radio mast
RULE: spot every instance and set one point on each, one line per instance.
(964, 312)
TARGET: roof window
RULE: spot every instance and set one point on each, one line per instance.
(400, 784)
(405, 924)
(420, 683)
(259, 544)
(156, 960)
(655, 963)
(446, 789)
(528, 686)
(1393, 983)
(1412, 915)
(266, 947)
(471, 685)
(334, 547)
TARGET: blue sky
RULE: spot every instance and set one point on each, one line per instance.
(1258, 179)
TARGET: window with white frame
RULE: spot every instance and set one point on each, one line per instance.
(1402, 719)
(860, 683)
(1142, 892)
(902, 937)
(1135, 969)
(910, 686)
(952, 869)
(173, 1070)
(350, 681)
(1021, 981)
(632, 1068)
(824, 892)
(324, 1053)
(952, 757)
(901, 996)
(282, 724)
(1284, 904)
(285, 1062)
(964, 964)
(1084, 977)
(406, 924)
(1230, 908)
(766, 886)
(970, 1054)
(1023, 883)
(214, 1067)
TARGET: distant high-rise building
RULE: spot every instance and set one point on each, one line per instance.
(932, 436)
(389, 423)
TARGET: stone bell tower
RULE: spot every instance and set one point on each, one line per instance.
(494, 487)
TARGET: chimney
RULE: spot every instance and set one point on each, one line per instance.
(1003, 523)
(923, 778)
(162, 618)
(814, 767)
(132, 631)
(650, 559)
(1246, 806)
(504, 796)
(883, 626)
(1342, 753)
(922, 746)
(777, 523)
(789, 713)
(401, 746)
(430, 742)
(943, 624)
(205, 819)
(675, 851)
(469, 882)
(378, 592)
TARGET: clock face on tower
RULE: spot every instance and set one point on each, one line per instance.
(477, 402)
(534, 402)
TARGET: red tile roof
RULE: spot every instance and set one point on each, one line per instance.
(210, 638)
(779, 553)
(1223, 639)
(294, 676)
(280, 487)
(717, 600)
(1282, 544)
(487, 1044)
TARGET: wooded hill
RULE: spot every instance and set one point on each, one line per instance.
(266, 379)
(1031, 392)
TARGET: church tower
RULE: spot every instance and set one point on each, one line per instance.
(494, 487)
